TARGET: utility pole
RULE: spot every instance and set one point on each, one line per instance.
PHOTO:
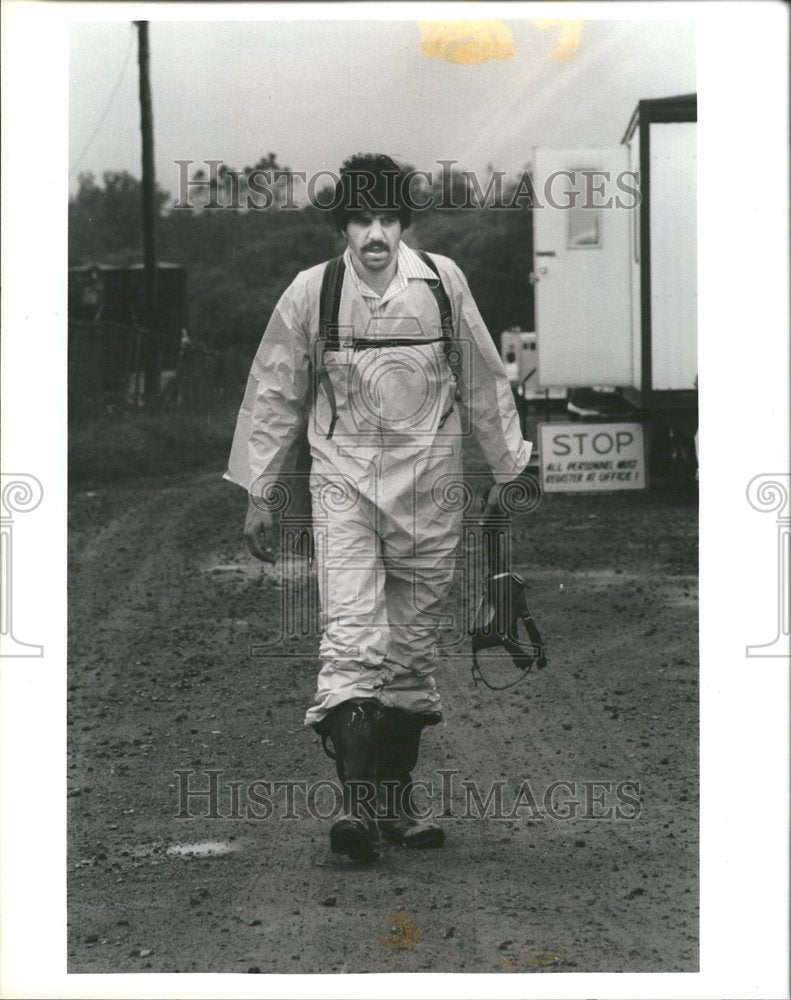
(150, 352)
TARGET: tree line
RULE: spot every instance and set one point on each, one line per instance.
(239, 261)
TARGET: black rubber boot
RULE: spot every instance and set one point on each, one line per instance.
(351, 727)
(399, 742)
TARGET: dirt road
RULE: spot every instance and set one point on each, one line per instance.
(165, 605)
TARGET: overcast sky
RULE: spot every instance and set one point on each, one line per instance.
(314, 92)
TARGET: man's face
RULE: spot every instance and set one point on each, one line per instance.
(373, 238)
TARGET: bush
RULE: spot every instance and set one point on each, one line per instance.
(128, 445)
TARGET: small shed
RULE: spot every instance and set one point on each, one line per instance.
(107, 339)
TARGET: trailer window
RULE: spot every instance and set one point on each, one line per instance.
(584, 222)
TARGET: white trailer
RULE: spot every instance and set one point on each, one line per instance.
(615, 262)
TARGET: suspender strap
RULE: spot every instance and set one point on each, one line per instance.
(329, 307)
(330, 301)
(452, 352)
(443, 303)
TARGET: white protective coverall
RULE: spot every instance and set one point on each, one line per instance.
(385, 534)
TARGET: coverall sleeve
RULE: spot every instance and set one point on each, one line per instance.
(276, 404)
(486, 393)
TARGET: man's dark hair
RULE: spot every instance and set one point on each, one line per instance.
(371, 182)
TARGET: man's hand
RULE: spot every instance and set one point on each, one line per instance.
(492, 511)
(493, 508)
(259, 532)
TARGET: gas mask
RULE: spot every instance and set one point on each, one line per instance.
(504, 635)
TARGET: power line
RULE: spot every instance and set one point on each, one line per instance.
(107, 108)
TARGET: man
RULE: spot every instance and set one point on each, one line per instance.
(387, 386)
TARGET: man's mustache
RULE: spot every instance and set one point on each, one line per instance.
(375, 246)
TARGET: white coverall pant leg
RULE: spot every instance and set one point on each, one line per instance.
(381, 608)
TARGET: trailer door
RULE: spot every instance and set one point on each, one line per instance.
(581, 266)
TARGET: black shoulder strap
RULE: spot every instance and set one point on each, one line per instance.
(453, 354)
(330, 298)
(443, 302)
(329, 307)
